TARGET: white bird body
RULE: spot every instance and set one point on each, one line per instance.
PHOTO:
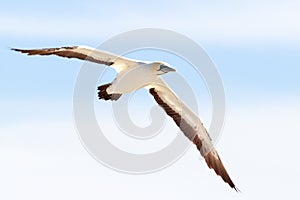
(132, 79)
(133, 75)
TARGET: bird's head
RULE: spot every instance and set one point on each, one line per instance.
(161, 68)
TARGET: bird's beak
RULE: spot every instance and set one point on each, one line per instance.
(166, 69)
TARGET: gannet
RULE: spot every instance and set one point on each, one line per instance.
(135, 74)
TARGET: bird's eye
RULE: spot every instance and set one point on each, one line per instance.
(161, 67)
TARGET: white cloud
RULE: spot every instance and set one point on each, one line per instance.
(241, 23)
(258, 147)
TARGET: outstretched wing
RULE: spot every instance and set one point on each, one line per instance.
(191, 126)
(84, 53)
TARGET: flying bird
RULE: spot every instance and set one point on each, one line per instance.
(133, 75)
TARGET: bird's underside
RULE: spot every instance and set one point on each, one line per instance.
(185, 119)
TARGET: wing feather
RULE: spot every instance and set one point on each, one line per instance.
(191, 126)
(84, 53)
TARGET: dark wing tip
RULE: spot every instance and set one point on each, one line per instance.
(14, 49)
(28, 51)
(237, 190)
(217, 165)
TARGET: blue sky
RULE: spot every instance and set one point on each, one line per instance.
(253, 41)
(254, 45)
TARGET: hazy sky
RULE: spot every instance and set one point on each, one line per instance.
(255, 47)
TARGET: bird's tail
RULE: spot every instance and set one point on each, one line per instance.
(102, 94)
